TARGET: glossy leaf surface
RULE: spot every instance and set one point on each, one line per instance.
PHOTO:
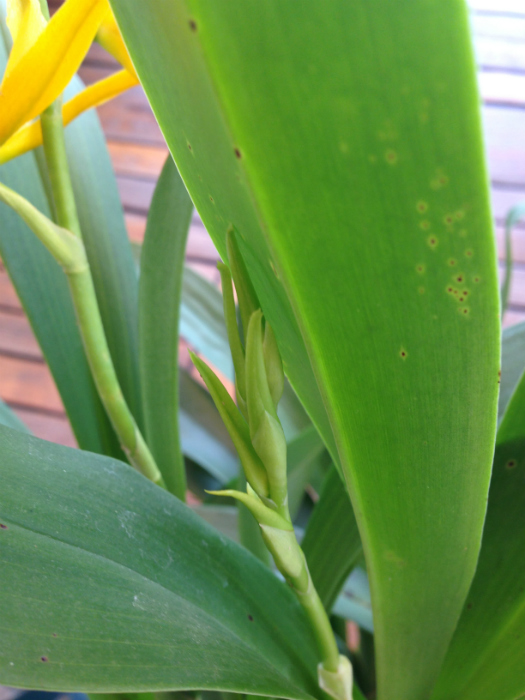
(344, 145)
(110, 584)
(162, 264)
(485, 659)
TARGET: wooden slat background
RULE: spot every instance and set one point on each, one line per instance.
(138, 151)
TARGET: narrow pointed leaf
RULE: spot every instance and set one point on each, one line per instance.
(344, 145)
(110, 584)
(162, 264)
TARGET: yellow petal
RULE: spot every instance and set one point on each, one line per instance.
(41, 75)
(26, 22)
(30, 136)
(109, 37)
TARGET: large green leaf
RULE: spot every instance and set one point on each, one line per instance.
(342, 140)
(486, 656)
(111, 584)
(162, 263)
(331, 542)
(107, 245)
(44, 294)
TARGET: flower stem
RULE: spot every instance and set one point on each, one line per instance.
(56, 157)
(86, 305)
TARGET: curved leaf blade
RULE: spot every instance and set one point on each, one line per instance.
(162, 264)
(485, 659)
(111, 584)
(303, 134)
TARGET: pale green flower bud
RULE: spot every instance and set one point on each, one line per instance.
(273, 364)
(237, 428)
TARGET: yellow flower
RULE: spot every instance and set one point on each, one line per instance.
(44, 58)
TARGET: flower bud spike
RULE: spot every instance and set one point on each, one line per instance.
(266, 432)
(236, 427)
(248, 301)
(265, 516)
(273, 364)
(232, 329)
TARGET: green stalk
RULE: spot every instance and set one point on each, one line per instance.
(54, 144)
(103, 371)
(85, 301)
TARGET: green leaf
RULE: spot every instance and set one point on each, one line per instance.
(10, 419)
(354, 602)
(512, 364)
(342, 140)
(306, 453)
(110, 584)
(485, 659)
(513, 217)
(162, 264)
(43, 291)
(331, 543)
(204, 438)
(107, 246)
(202, 321)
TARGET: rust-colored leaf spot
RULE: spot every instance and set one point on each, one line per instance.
(403, 354)
(189, 147)
(192, 25)
(3, 527)
(468, 253)
(212, 200)
(450, 290)
(459, 279)
(422, 207)
(510, 464)
(237, 153)
(451, 262)
(432, 241)
(44, 659)
(449, 220)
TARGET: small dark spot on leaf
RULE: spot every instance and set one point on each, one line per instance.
(511, 464)
(460, 299)
(237, 153)
(451, 262)
(403, 354)
(449, 290)
(3, 527)
(449, 220)
(44, 658)
(193, 25)
(54, 634)
(469, 606)
(465, 292)
(476, 279)
(250, 618)
(465, 311)
(211, 199)
(459, 279)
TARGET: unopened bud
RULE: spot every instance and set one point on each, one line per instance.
(234, 339)
(273, 364)
(246, 295)
(236, 427)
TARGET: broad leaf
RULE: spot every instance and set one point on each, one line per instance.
(331, 542)
(486, 656)
(110, 584)
(343, 143)
(162, 263)
(44, 294)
